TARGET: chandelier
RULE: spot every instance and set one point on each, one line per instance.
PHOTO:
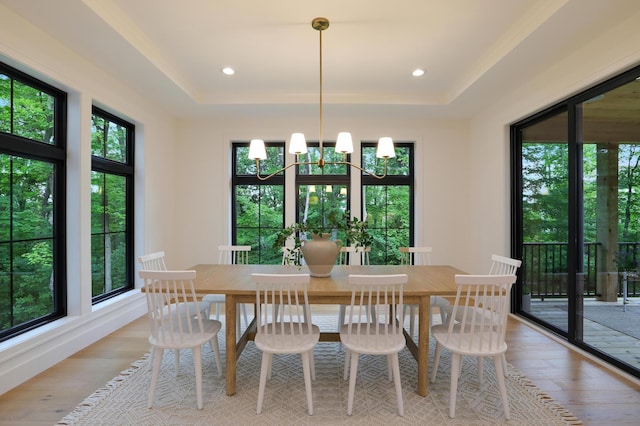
(298, 144)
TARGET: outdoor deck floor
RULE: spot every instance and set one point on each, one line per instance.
(602, 334)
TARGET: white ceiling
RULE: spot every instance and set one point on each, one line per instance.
(172, 51)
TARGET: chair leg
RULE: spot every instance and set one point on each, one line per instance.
(157, 353)
(215, 347)
(436, 361)
(243, 307)
(266, 366)
(504, 365)
(497, 361)
(197, 363)
(396, 375)
(152, 353)
(443, 315)
(312, 365)
(390, 371)
(342, 311)
(270, 367)
(352, 382)
(347, 358)
(306, 368)
(456, 361)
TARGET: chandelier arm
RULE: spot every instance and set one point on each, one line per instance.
(272, 174)
(296, 163)
(348, 163)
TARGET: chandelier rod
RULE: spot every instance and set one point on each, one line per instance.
(320, 24)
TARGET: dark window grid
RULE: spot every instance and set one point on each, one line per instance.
(251, 180)
(59, 108)
(126, 170)
(393, 180)
(55, 154)
(326, 147)
(108, 117)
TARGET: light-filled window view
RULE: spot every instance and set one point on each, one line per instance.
(580, 179)
(323, 200)
(32, 158)
(111, 205)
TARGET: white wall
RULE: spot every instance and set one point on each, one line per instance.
(590, 62)
(441, 181)
(28, 49)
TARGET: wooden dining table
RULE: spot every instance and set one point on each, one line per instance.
(234, 281)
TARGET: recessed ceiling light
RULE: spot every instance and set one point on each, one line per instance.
(228, 71)
(417, 72)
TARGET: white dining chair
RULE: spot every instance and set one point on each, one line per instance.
(500, 265)
(421, 256)
(380, 336)
(282, 305)
(155, 262)
(476, 327)
(347, 256)
(230, 255)
(177, 323)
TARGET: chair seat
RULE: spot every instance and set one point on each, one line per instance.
(462, 345)
(210, 329)
(288, 338)
(372, 343)
(213, 298)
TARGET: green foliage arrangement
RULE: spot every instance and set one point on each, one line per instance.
(356, 230)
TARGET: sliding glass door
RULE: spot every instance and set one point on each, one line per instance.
(576, 221)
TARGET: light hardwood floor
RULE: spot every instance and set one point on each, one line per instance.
(593, 393)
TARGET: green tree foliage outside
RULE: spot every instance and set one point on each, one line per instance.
(26, 207)
(108, 209)
(260, 207)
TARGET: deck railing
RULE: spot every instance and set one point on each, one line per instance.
(544, 269)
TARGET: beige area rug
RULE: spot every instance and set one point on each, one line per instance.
(123, 401)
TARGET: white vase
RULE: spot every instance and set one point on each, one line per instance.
(320, 254)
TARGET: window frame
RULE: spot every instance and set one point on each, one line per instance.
(392, 180)
(248, 180)
(127, 170)
(55, 154)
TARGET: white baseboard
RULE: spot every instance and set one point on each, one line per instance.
(29, 354)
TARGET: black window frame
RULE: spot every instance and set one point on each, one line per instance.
(248, 180)
(56, 154)
(392, 180)
(126, 170)
(322, 179)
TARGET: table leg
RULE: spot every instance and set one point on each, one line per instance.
(230, 321)
(424, 315)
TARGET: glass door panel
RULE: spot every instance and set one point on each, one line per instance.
(543, 289)
(610, 313)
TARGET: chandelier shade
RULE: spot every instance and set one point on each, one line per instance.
(344, 142)
(257, 151)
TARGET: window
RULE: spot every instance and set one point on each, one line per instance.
(32, 200)
(258, 206)
(322, 196)
(388, 203)
(112, 173)
(322, 193)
